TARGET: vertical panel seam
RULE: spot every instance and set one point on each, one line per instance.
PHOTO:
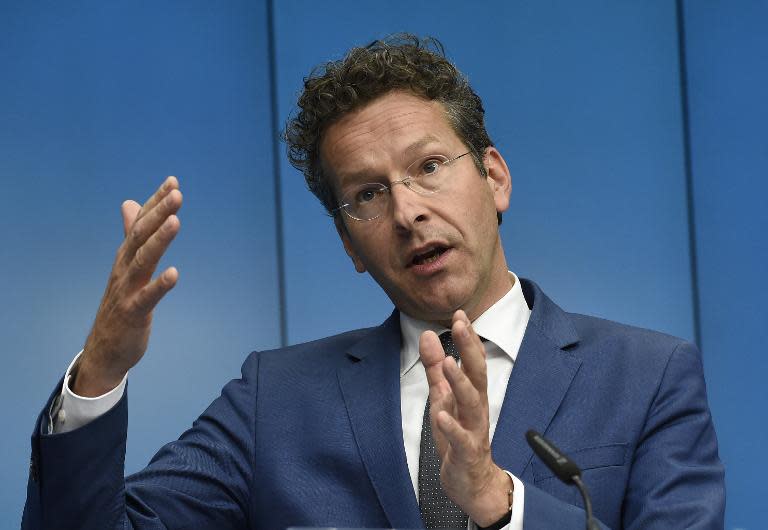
(279, 233)
(688, 168)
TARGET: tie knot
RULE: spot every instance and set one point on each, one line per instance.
(446, 339)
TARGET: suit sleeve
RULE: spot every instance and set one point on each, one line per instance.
(202, 480)
(676, 479)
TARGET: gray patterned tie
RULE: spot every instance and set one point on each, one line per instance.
(437, 510)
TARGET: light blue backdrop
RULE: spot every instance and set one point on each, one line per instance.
(728, 82)
(99, 102)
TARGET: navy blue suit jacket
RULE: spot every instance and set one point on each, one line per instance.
(311, 436)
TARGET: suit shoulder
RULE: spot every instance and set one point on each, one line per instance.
(631, 361)
(614, 338)
(329, 348)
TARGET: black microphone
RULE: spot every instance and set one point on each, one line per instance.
(563, 467)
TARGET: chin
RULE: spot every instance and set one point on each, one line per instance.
(436, 311)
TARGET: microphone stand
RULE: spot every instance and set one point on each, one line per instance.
(591, 523)
(564, 468)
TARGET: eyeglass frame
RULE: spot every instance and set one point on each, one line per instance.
(404, 181)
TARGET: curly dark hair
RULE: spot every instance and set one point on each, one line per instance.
(401, 61)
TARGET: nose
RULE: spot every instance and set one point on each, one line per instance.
(408, 207)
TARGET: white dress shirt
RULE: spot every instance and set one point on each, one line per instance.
(502, 325)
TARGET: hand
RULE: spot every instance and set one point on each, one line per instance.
(121, 329)
(459, 414)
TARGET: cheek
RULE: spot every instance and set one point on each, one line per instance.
(476, 220)
(375, 253)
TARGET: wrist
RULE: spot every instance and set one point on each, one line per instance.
(495, 506)
(87, 380)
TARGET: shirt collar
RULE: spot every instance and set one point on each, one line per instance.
(503, 324)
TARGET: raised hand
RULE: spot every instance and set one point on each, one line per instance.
(120, 332)
(459, 414)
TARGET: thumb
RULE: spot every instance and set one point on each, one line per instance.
(130, 210)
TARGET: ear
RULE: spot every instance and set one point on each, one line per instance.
(499, 178)
(341, 228)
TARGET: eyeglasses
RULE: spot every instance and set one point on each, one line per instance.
(366, 202)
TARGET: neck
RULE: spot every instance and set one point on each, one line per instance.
(494, 293)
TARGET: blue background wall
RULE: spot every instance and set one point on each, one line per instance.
(635, 132)
(727, 57)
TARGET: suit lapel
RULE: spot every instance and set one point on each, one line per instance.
(370, 384)
(540, 379)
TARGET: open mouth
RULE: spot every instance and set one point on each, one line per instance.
(428, 257)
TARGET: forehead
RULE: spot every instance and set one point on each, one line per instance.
(392, 128)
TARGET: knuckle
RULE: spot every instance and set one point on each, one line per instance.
(136, 308)
(140, 259)
(114, 279)
(136, 232)
(473, 400)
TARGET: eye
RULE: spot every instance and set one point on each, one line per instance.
(430, 166)
(367, 194)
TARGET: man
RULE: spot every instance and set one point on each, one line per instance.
(339, 432)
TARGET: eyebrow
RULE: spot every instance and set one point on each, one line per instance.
(420, 144)
(409, 151)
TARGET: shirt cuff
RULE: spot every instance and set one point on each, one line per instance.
(518, 503)
(70, 411)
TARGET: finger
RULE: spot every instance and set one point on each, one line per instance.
(148, 297)
(460, 439)
(440, 401)
(432, 355)
(470, 405)
(472, 351)
(129, 210)
(441, 397)
(148, 255)
(169, 184)
(146, 225)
